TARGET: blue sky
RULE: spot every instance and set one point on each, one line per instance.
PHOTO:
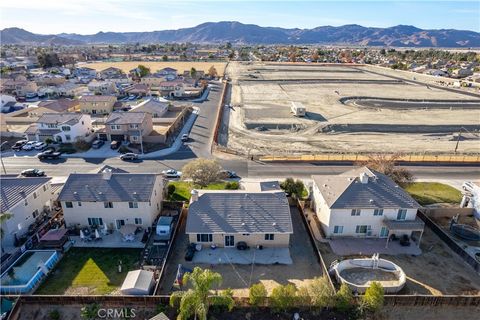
(91, 16)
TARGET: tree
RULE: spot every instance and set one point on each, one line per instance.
(283, 297)
(165, 58)
(321, 293)
(257, 294)
(198, 299)
(143, 71)
(212, 72)
(48, 140)
(294, 188)
(344, 298)
(193, 72)
(202, 171)
(385, 164)
(3, 218)
(373, 297)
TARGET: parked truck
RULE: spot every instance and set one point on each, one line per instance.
(298, 109)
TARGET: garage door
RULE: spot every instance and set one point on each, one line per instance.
(117, 137)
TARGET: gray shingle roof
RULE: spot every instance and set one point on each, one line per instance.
(126, 118)
(60, 118)
(346, 191)
(121, 187)
(240, 212)
(14, 190)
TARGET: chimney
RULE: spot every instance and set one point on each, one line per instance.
(107, 174)
(363, 178)
(194, 194)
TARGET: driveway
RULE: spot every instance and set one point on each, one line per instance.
(103, 152)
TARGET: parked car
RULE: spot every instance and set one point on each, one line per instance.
(114, 145)
(129, 156)
(190, 252)
(50, 154)
(40, 146)
(172, 173)
(97, 144)
(33, 173)
(29, 145)
(19, 144)
(227, 174)
(185, 137)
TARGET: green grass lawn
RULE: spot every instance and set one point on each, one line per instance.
(183, 189)
(432, 192)
(90, 271)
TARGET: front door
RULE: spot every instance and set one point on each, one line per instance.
(384, 232)
(120, 223)
(229, 241)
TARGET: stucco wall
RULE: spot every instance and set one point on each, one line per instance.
(280, 240)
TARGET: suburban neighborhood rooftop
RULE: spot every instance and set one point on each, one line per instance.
(126, 118)
(60, 118)
(14, 190)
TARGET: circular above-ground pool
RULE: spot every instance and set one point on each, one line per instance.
(358, 274)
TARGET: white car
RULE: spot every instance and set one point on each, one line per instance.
(29, 145)
(40, 146)
(172, 173)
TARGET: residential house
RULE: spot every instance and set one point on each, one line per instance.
(48, 79)
(364, 203)
(153, 81)
(138, 89)
(61, 127)
(156, 108)
(174, 88)
(199, 74)
(7, 102)
(70, 89)
(53, 106)
(127, 126)
(97, 104)
(168, 73)
(19, 87)
(462, 73)
(110, 72)
(25, 199)
(112, 199)
(224, 218)
(102, 87)
(85, 73)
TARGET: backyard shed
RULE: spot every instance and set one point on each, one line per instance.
(138, 282)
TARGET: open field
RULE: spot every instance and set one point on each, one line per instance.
(87, 271)
(349, 109)
(181, 66)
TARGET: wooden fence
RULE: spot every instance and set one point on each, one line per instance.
(226, 86)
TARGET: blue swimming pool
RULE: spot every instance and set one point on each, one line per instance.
(27, 271)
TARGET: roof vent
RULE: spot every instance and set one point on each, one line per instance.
(100, 192)
(134, 192)
(86, 186)
(107, 174)
(75, 192)
(194, 194)
(324, 185)
(243, 223)
(274, 224)
(363, 178)
(371, 200)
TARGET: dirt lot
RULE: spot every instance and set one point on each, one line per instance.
(437, 271)
(262, 96)
(305, 266)
(126, 66)
(429, 313)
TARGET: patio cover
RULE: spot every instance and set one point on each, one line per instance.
(54, 235)
(413, 225)
(138, 282)
(128, 229)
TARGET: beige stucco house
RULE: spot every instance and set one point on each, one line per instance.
(97, 104)
(128, 126)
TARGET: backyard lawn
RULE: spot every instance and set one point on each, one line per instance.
(90, 271)
(432, 192)
(183, 189)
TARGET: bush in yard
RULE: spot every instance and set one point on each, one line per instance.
(257, 294)
(171, 189)
(54, 315)
(82, 145)
(283, 297)
(322, 294)
(294, 188)
(202, 171)
(303, 297)
(344, 298)
(89, 312)
(48, 141)
(123, 149)
(232, 185)
(373, 297)
(224, 301)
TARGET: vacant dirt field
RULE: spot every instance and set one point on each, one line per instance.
(337, 120)
(181, 66)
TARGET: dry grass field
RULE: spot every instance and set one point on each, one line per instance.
(154, 66)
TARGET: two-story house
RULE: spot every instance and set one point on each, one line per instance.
(110, 72)
(97, 105)
(155, 107)
(53, 106)
(61, 127)
(174, 88)
(364, 203)
(102, 87)
(168, 73)
(153, 81)
(18, 87)
(85, 73)
(112, 199)
(128, 126)
(24, 200)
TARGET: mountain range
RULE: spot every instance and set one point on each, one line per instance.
(239, 33)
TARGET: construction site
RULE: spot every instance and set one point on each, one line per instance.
(290, 109)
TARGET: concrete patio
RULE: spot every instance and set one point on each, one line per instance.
(359, 246)
(114, 240)
(231, 255)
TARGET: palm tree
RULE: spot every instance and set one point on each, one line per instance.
(197, 300)
(3, 217)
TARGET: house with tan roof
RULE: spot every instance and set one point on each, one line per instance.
(61, 127)
(53, 106)
(97, 105)
(127, 126)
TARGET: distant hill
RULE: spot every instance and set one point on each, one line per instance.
(236, 32)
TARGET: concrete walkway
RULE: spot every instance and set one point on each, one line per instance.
(232, 255)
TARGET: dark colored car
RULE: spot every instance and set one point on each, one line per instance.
(114, 145)
(97, 144)
(19, 144)
(190, 252)
(129, 156)
(242, 245)
(227, 174)
(33, 173)
(50, 154)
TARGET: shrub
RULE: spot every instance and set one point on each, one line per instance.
(232, 185)
(283, 297)
(67, 149)
(373, 297)
(82, 145)
(89, 312)
(202, 171)
(48, 141)
(54, 315)
(123, 149)
(257, 294)
(321, 292)
(344, 298)
(171, 189)
(294, 188)
(303, 297)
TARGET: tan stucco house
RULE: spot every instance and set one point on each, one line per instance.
(97, 104)
(128, 126)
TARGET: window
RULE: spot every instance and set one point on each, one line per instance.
(356, 212)
(68, 204)
(34, 195)
(378, 212)
(26, 202)
(204, 237)
(51, 125)
(66, 128)
(134, 138)
(108, 205)
(132, 205)
(115, 127)
(361, 229)
(138, 221)
(245, 234)
(35, 213)
(338, 229)
(95, 221)
(134, 126)
(67, 137)
(79, 203)
(402, 214)
(269, 236)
